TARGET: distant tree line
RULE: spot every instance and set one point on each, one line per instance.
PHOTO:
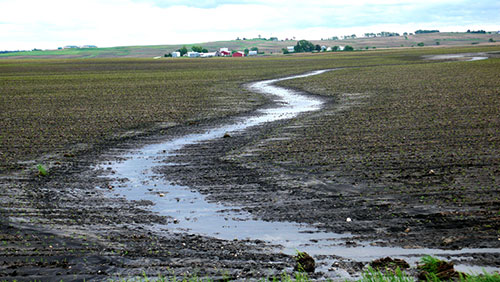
(306, 46)
(420, 31)
(259, 38)
(199, 49)
(387, 34)
(476, 31)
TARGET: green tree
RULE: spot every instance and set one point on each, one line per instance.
(197, 49)
(183, 50)
(421, 44)
(317, 47)
(255, 49)
(285, 51)
(204, 50)
(420, 31)
(348, 48)
(246, 51)
(303, 46)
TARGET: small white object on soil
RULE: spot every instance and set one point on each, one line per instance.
(348, 219)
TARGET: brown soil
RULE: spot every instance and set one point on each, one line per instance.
(61, 227)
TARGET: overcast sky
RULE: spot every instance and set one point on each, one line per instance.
(28, 24)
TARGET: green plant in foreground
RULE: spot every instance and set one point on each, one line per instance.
(372, 275)
(42, 170)
(429, 264)
(432, 265)
(485, 277)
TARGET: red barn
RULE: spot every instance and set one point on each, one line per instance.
(225, 53)
(238, 54)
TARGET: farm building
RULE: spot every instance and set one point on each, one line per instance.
(176, 54)
(238, 54)
(193, 54)
(290, 48)
(89, 46)
(252, 53)
(225, 53)
(224, 50)
(341, 48)
(208, 55)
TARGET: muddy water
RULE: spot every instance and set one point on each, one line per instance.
(465, 57)
(137, 179)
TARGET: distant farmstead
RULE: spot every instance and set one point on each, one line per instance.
(209, 54)
(225, 53)
(238, 54)
(176, 54)
(193, 54)
(252, 53)
(291, 48)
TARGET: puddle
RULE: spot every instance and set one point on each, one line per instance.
(465, 57)
(136, 179)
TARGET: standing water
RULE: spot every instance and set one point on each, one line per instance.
(192, 213)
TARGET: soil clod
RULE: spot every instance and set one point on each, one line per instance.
(304, 263)
(388, 263)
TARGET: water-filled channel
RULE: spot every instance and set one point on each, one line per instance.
(193, 214)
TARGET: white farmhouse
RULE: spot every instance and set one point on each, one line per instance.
(341, 48)
(208, 55)
(193, 54)
(176, 54)
(252, 53)
(224, 50)
(290, 48)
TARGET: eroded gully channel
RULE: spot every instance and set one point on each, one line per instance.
(136, 178)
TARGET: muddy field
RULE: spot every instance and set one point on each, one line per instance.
(409, 153)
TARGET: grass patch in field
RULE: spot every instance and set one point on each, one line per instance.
(369, 275)
(42, 171)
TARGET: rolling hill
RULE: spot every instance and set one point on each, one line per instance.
(270, 47)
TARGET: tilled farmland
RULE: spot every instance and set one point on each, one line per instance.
(406, 148)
